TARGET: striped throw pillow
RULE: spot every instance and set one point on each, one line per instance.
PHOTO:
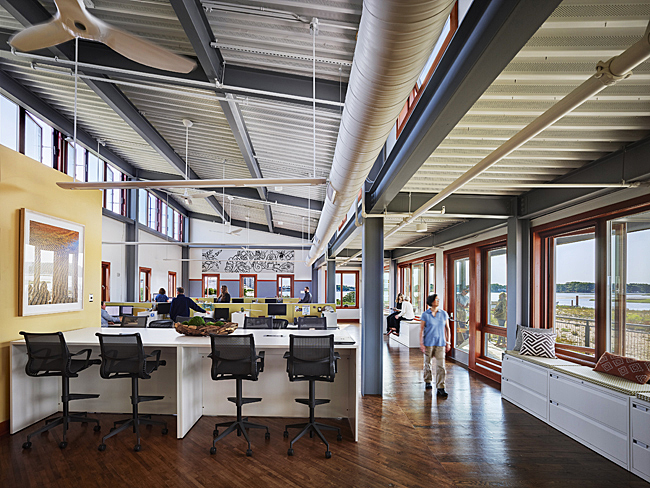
(538, 344)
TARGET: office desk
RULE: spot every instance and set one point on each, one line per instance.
(185, 381)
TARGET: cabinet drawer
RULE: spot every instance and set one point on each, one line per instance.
(610, 443)
(531, 376)
(524, 398)
(603, 405)
(640, 419)
(641, 459)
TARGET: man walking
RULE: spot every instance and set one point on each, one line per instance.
(435, 337)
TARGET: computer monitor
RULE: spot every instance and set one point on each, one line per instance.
(237, 300)
(126, 310)
(277, 309)
(222, 313)
(114, 310)
(270, 300)
(163, 307)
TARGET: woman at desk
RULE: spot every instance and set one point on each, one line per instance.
(161, 296)
(391, 322)
(225, 296)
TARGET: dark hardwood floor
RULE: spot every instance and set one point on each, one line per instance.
(407, 438)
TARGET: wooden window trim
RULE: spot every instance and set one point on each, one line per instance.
(241, 284)
(171, 286)
(147, 284)
(356, 290)
(278, 283)
(107, 291)
(209, 275)
(417, 92)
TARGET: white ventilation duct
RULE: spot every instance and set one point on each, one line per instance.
(395, 40)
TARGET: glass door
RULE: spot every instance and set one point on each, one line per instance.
(210, 285)
(461, 304)
(418, 288)
(629, 286)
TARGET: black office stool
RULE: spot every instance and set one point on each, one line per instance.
(311, 358)
(48, 355)
(234, 357)
(123, 357)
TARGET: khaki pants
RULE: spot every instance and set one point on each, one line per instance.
(439, 353)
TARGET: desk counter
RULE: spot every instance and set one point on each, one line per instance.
(185, 381)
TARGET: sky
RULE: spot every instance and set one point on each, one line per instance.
(576, 261)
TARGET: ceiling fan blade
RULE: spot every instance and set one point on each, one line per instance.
(144, 52)
(41, 36)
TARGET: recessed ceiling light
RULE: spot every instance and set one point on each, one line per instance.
(278, 188)
(280, 222)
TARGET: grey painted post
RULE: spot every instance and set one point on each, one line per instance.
(518, 276)
(314, 283)
(131, 252)
(373, 307)
(330, 291)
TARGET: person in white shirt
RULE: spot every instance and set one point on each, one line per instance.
(406, 313)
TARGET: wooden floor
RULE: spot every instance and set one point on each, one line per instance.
(407, 438)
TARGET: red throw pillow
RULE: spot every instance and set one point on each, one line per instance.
(628, 368)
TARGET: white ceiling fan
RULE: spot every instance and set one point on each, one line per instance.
(72, 19)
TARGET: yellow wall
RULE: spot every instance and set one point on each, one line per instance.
(25, 183)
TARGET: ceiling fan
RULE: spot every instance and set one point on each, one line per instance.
(72, 19)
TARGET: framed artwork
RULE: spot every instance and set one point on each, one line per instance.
(52, 264)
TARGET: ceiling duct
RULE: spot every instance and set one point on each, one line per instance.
(395, 40)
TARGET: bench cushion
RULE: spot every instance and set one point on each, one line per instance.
(643, 396)
(603, 379)
(546, 362)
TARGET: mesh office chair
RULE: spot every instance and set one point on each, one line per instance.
(123, 357)
(161, 324)
(311, 358)
(258, 322)
(48, 355)
(311, 322)
(181, 319)
(280, 323)
(234, 357)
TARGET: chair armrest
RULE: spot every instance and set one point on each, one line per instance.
(155, 354)
(260, 356)
(88, 352)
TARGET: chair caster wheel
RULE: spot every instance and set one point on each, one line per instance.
(165, 431)
(286, 433)
(97, 428)
(63, 444)
(102, 447)
(339, 437)
(328, 454)
(249, 452)
(27, 445)
(267, 436)
(215, 433)
(213, 450)
(290, 452)
(137, 448)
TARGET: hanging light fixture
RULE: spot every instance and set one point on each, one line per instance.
(421, 227)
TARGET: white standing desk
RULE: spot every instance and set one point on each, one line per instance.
(186, 383)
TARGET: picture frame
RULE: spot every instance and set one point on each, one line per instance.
(52, 252)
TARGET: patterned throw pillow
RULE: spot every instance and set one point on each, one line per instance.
(628, 368)
(540, 344)
(521, 328)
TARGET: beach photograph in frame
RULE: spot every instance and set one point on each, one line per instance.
(52, 264)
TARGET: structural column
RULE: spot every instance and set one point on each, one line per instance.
(330, 290)
(314, 283)
(131, 252)
(373, 306)
(518, 262)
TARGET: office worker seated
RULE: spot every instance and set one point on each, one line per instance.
(406, 313)
(107, 318)
(181, 305)
(225, 296)
(161, 296)
(307, 297)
